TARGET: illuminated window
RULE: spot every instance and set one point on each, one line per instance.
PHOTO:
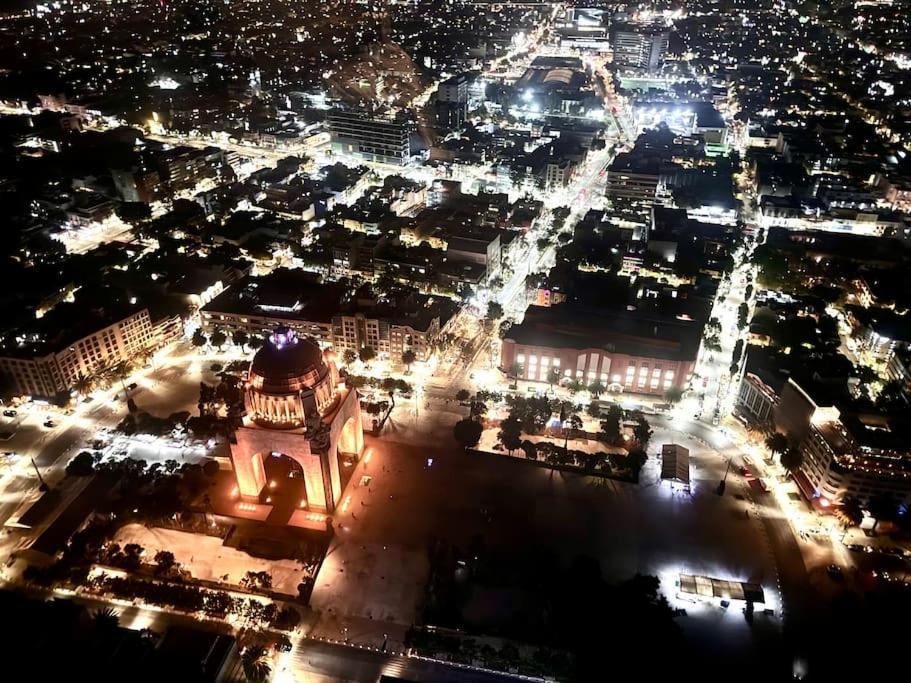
(545, 362)
(532, 360)
(616, 378)
(520, 358)
(556, 362)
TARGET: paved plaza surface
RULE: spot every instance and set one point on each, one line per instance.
(376, 566)
(207, 558)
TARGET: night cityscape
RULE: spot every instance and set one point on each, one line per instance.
(460, 341)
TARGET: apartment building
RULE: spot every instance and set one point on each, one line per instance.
(48, 365)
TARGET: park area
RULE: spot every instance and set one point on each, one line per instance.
(605, 440)
(206, 558)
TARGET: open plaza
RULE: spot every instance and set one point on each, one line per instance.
(371, 583)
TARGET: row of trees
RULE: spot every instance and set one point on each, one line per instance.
(130, 556)
(145, 492)
(106, 376)
(789, 453)
(195, 599)
(367, 354)
(219, 338)
(530, 415)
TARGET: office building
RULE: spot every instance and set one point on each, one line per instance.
(454, 89)
(368, 137)
(844, 454)
(640, 47)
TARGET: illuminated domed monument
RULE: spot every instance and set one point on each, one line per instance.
(298, 410)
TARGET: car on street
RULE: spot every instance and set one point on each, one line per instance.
(50, 424)
(9, 412)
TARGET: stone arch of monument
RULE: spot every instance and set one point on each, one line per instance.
(296, 406)
(247, 457)
(351, 437)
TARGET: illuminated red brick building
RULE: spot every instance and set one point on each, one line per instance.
(623, 350)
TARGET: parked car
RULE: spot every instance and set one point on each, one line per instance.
(9, 412)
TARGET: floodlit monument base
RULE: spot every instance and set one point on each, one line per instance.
(302, 423)
(316, 449)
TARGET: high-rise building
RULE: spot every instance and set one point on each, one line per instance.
(640, 47)
(370, 137)
(451, 104)
(453, 89)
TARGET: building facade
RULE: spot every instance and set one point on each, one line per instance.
(615, 371)
(389, 339)
(836, 464)
(755, 399)
(411, 322)
(632, 181)
(843, 455)
(640, 47)
(53, 371)
(369, 138)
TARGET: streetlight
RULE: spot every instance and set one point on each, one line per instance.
(723, 483)
(43, 487)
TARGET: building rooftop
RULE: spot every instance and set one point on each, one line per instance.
(298, 296)
(285, 362)
(288, 294)
(573, 326)
(68, 322)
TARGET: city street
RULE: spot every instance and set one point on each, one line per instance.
(170, 385)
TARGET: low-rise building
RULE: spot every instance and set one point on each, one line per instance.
(624, 351)
(332, 314)
(844, 454)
